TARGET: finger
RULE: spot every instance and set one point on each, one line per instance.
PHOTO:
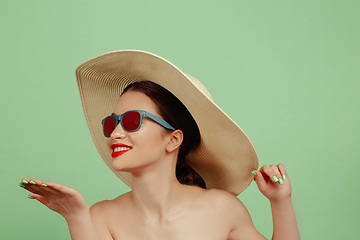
(27, 183)
(277, 173)
(32, 184)
(275, 170)
(38, 187)
(40, 198)
(62, 189)
(34, 181)
(259, 179)
(282, 171)
(269, 172)
(45, 188)
(24, 183)
(34, 196)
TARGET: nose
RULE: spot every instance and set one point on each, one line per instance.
(118, 133)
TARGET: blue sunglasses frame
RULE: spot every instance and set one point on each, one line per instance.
(142, 113)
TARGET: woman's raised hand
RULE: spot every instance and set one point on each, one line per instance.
(62, 199)
(273, 182)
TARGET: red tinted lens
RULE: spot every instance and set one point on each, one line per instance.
(131, 121)
(109, 125)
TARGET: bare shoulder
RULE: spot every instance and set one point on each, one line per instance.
(224, 200)
(229, 205)
(221, 203)
(106, 207)
(233, 212)
(105, 213)
(101, 208)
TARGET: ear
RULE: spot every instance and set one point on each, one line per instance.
(175, 140)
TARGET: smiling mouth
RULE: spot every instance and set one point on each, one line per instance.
(119, 150)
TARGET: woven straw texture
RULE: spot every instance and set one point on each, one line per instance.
(225, 156)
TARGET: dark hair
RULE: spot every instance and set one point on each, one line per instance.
(176, 114)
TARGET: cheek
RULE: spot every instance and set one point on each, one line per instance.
(152, 140)
(108, 143)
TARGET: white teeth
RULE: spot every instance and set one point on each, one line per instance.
(118, 149)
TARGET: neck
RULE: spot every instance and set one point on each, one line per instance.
(155, 190)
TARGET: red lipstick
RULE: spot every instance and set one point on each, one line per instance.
(119, 149)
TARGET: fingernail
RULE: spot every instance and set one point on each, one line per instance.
(284, 177)
(22, 185)
(25, 182)
(31, 197)
(253, 173)
(44, 185)
(275, 179)
(32, 182)
(281, 181)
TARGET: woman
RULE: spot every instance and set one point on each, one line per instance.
(169, 141)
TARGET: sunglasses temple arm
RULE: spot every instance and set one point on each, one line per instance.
(160, 121)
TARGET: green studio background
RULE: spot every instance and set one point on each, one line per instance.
(286, 71)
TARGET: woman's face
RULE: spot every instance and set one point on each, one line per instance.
(132, 151)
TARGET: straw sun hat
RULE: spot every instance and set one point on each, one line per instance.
(225, 155)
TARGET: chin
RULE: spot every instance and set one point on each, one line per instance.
(121, 166)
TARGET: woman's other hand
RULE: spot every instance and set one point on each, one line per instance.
(62, 199)
(273, 182)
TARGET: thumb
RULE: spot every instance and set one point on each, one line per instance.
(260, 181)
(40, 198)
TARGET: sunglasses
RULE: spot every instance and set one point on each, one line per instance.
(130, 121)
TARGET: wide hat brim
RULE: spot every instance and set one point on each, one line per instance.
(225, 156)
